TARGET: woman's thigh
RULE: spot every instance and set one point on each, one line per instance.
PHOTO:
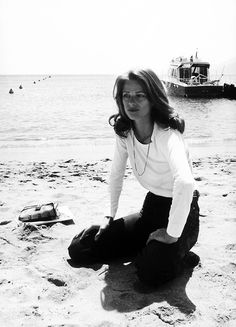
(117, 240)
(130, 222)
(121, 238)
(155, 212)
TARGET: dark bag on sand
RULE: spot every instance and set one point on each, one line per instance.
(42, 212)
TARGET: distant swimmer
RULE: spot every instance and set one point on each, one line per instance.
(11, 91)
(20, 87)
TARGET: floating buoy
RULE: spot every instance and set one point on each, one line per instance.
(20, 87)
(11, 91)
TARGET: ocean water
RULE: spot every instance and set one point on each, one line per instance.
(66, 110)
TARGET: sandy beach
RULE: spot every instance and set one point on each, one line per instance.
(40, 287)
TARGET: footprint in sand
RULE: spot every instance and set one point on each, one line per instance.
(5, 222)
(230, 247)
(4, 209)
(57, 282)
(229, 268)
(200, 178)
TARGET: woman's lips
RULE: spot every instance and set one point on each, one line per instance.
(133, 110)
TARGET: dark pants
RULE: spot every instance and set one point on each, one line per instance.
(156, 262)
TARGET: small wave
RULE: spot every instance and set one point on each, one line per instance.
(51, 138)
(208, 141)
(23, 139)
(59, 142)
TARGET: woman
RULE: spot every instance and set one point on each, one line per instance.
(149, 133)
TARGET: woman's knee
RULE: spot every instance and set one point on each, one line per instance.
(80, 247)
(74, 248)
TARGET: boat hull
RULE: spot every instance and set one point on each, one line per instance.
(194, 91)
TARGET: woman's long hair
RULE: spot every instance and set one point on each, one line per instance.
(162, 113)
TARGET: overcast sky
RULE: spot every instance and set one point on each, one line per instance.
(111, 36)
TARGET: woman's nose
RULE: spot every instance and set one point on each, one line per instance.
(132, 101)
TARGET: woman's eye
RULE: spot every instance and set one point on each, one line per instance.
(141, 96)
(125, 96)
(137, 96)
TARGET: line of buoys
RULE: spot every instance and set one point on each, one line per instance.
(21, 87)
(42, 79)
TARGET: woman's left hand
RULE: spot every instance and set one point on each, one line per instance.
(162, 236)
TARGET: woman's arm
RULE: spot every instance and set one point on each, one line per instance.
(115, 185)
(117, 174)
(173, 148)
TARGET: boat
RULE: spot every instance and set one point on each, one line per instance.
(191, 78)
(229, 91)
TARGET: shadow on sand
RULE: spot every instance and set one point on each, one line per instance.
(125, 293)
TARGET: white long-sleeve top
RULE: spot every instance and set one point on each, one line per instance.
(168, 172)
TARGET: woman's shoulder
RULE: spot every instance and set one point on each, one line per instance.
(167, 138)
(166, 133)
(123, 140)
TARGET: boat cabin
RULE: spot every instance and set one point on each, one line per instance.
(189, 71)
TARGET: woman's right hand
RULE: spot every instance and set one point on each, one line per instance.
(107, 220)
(88, 231)
(101, 228)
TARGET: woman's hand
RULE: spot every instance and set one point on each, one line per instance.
(101, 228)
(87, 231)
(162, 236)
(105, 224)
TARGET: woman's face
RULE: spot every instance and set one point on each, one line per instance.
(135, 101)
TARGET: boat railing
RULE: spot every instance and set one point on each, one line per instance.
(214, 82)
(198, 80)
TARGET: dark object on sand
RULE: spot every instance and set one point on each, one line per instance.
(42, 212)
(46, 214)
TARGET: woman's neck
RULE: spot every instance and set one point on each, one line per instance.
(143, 130)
